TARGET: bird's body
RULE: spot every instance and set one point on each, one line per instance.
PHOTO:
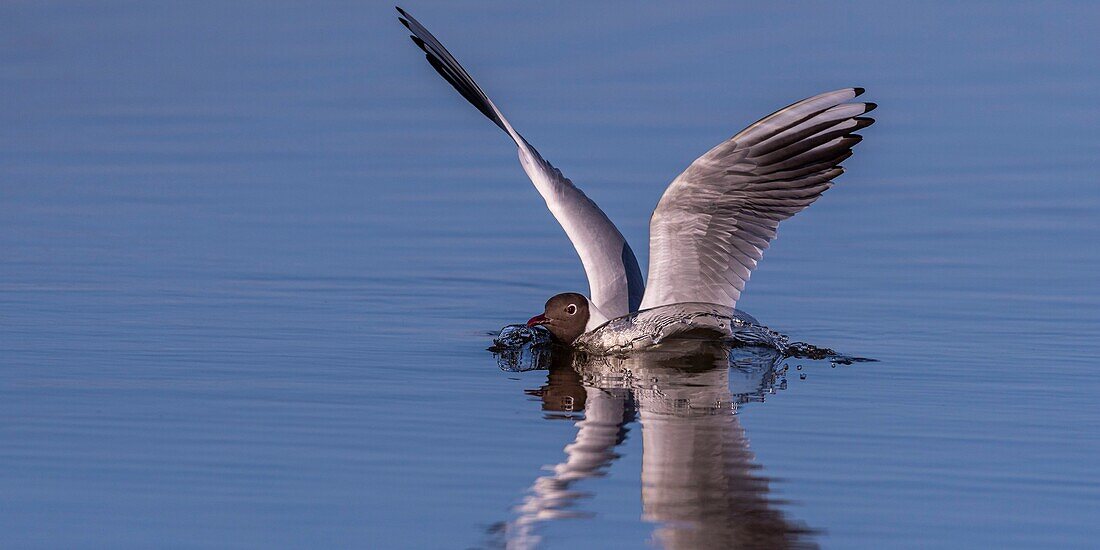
(708, 231)
(649, 327)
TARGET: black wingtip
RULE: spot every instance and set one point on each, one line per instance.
(448, 67)
(862, 122)
(870, 106)
(859, 91)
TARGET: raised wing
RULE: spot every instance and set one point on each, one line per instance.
(614, 278)
(716, 218)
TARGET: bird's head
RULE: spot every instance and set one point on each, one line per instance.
(567, 316)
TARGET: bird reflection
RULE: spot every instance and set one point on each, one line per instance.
(700, 485)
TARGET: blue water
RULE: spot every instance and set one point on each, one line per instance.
(251, 256)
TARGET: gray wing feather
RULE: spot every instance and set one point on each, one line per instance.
(614, 278)
(715, 220)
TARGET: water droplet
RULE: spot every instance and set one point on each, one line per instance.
(802, 376)
(799, 367)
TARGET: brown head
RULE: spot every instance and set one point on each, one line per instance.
(566, 316)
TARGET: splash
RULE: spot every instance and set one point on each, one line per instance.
(519, 348)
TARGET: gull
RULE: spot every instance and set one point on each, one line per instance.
(708, 231)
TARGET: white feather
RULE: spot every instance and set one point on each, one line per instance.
(715, 220)
(614, 278)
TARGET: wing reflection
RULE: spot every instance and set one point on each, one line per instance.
(700, 484)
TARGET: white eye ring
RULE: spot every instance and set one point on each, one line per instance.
(571, 309)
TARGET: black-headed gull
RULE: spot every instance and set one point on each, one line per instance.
(709, 229)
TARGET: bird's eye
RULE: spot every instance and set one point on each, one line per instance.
(571, 309)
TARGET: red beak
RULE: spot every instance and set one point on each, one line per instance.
(536, 320)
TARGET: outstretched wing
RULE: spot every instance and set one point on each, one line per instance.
(716, 218)
(614, 278)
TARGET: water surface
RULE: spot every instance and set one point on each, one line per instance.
(250, 255)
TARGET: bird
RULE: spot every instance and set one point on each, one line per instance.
(708, 231)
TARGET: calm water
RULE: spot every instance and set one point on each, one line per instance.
(250, 258)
